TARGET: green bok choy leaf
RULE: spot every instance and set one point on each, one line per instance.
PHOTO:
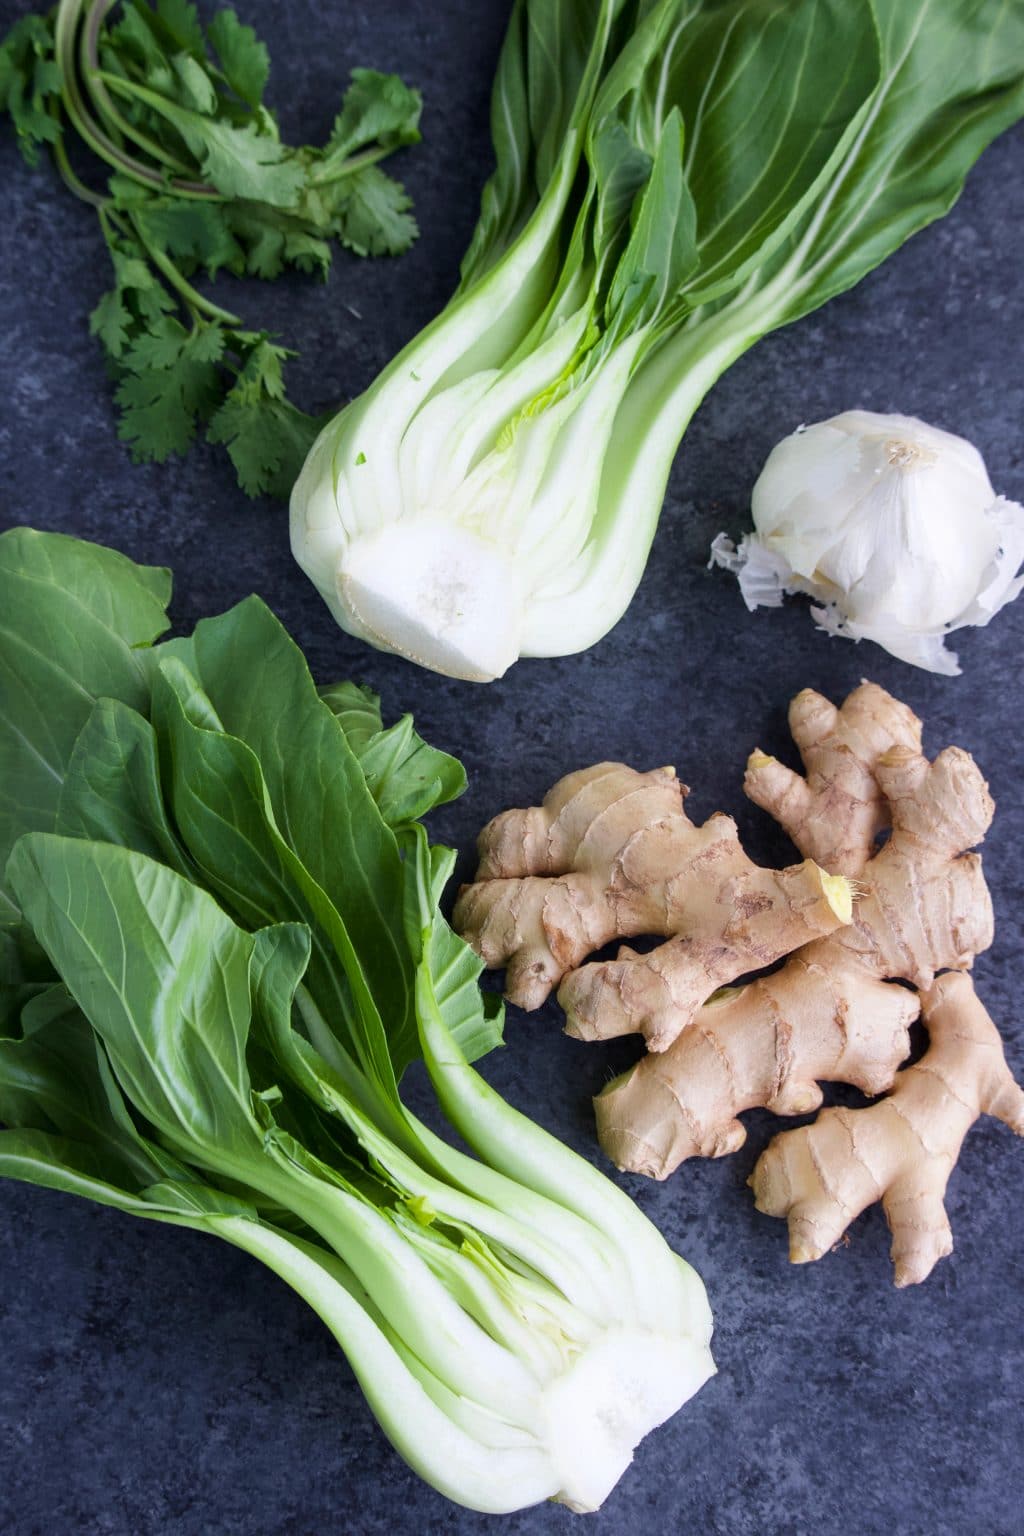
(220, 947)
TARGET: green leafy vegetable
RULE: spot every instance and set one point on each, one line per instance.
(405, 776)
(221, 944)
(202, 183)
(72, 616)
(674, 179)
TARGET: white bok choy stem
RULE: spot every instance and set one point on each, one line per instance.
(583, 1424)
(515, 1323)
(495, 492)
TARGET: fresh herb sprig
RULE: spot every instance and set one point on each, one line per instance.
(200, 182)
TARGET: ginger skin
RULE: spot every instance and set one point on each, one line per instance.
(611, 853)
(924, 907)
(835, 813)
(763, 1045)
(901, 1150)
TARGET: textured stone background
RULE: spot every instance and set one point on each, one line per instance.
(154, 1383)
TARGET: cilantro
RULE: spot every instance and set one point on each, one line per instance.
(196, 235)
(372, 216)
(262, 239)
(378, 108)
(241, 162)
(198, 181)
(243, 58)
(197, 89)
(180, 23)
(133, 43)
(266, 437)
(170, 381)
(30, 84)
(110, 321)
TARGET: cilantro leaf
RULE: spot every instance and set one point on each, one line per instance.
(30, 84)
(371, 214)
(242, 162)
(167, 342)
(378, 109)
(260, 233)
(111, 322)
(267, 438)
(195, 88)
(243, 58)
(306, 251)
(263, 369)
(180, 21)
(275, 238)
(194, 234)
(133, 42)
(170, 381)
(145, 294)
(137, 299)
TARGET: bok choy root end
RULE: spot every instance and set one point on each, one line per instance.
(220, 946)
(674, 179)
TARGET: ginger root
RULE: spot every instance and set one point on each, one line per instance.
(835, 813)
(612, 853)
(831, 1013)
(901, 1150)
(768, 1045)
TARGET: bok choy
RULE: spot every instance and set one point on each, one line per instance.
(220, 945)
(674, 179)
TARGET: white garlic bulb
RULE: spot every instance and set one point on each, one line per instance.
(891, 524)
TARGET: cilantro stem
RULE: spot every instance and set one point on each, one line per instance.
(166, 109)
(71, 181)
(65, 27)
(332, 171)
(102, 79)
(92, 76)
(192, 297)
(68, 18)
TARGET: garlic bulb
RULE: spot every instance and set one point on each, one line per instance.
(891, 524)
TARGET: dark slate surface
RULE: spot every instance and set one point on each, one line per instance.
(156, 1384)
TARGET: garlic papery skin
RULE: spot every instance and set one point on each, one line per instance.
(892, 524)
